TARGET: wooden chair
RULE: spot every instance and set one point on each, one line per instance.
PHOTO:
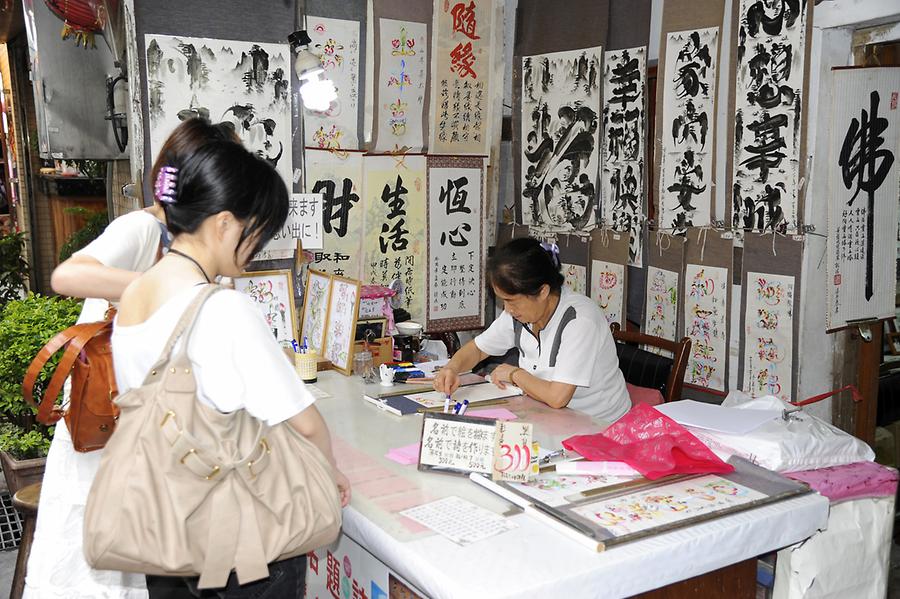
(646, 369)
(26, 501)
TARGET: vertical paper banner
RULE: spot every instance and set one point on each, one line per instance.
(575, 259)
(338, 176)
(689, 94)
(864, 184)
(461, 82)
(401, 80)
(336, 42)
(303, 225)
(455, 243)
(771, 54)
(244, 83)
(609, 255)
(561, 139)
(624, 145)
(768, 327)
(770, 299)
(705, 323)
(395, 243)
(665, 260)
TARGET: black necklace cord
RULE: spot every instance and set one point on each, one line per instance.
(197, 264)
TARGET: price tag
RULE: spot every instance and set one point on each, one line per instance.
(515, 455)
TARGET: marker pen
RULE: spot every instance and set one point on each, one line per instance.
(465, 406)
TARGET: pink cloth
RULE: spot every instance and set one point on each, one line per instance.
(850, 481)
(651, 443)
(644, 395)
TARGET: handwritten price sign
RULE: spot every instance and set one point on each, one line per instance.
(515, 455)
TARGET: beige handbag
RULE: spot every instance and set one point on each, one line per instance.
(184, 490)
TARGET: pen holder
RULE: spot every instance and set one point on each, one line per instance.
(305, 364)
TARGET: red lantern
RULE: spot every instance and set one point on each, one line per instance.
(82, 18)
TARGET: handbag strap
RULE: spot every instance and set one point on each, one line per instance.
(184, 326)
(75, 338)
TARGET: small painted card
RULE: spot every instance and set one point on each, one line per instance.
(343, 311)
(273, 293)
(315, 310)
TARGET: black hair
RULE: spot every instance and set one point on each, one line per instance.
(189, 136)
(224, 176)
(522, 266)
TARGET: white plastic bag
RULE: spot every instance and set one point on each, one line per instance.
(802, 443)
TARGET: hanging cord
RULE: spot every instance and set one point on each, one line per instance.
(703, 232)
(604, 237)
(399, 156)
(660, 236)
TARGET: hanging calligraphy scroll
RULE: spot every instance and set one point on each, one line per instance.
(707, 307)
(560, 139)
(455, 266)
(608, 285)
(624, 145)
(461, 83)
(336, 42)
(864, 177)
(402, 41)
(688, 132)
(574, 257)
(769, 79)
(665, 259)
(338, 176)
(395, 199)
(770, 301)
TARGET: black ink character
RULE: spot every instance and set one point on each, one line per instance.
(689, 181)
(756, 17)
(865, 164)
(693, 60)
(336, 208)
(396, 238)
(454, 196)
(768, 143)
(394, 199)
(691, 125)
(456, 237)
(768, 68)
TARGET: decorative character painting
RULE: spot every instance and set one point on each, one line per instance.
(661, 318)
(561, 139)
(245, 83)
(768, 114)
(705, 311)
(864, 183)
(689, 93)
(316, 297)
(336, 42)
(343, 311)
(401, 82)
(608, 289)
(623, 148)
(575, 277)
(768, 335)
(272, 292)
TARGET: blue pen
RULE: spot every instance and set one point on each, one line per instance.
(295, 346)
(456, 408)
(465, 406)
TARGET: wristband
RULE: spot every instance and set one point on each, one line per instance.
(512, 374)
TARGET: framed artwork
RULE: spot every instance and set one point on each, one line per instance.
(378, 327)
(315, 310)
(343, 311)
(272, 291)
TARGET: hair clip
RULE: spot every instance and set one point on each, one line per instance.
(553, 250)
(166, 180)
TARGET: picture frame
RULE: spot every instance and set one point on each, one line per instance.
(378, 326)
(343, 312)
(314, 319)
(272, 291)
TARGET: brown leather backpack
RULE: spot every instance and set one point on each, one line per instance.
(90, 413)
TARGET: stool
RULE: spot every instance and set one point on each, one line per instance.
(26, 501)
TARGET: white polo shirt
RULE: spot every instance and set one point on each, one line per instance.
(576, 347)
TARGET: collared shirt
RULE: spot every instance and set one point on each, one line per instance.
(576, 347)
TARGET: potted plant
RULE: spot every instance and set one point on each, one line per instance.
(13, 268)
(25, 326)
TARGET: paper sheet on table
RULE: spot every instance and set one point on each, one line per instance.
(474, 393)
(459, 520)
(406, 455)
(429, 368)
(711, 417)
(498, 413)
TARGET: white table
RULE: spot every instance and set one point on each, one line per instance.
(531, 560)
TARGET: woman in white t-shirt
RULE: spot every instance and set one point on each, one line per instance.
(567, 356)
(222, 205)
(130, 245)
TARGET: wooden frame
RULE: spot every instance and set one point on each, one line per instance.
(312, 315)
(341, 329)
(377, 325)
(244, 284)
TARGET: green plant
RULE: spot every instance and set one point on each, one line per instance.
(94, 225)
(13, 268)
(24, 444)
(25, 326)
(91, 168)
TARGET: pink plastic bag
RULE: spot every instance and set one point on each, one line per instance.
(651, 443)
